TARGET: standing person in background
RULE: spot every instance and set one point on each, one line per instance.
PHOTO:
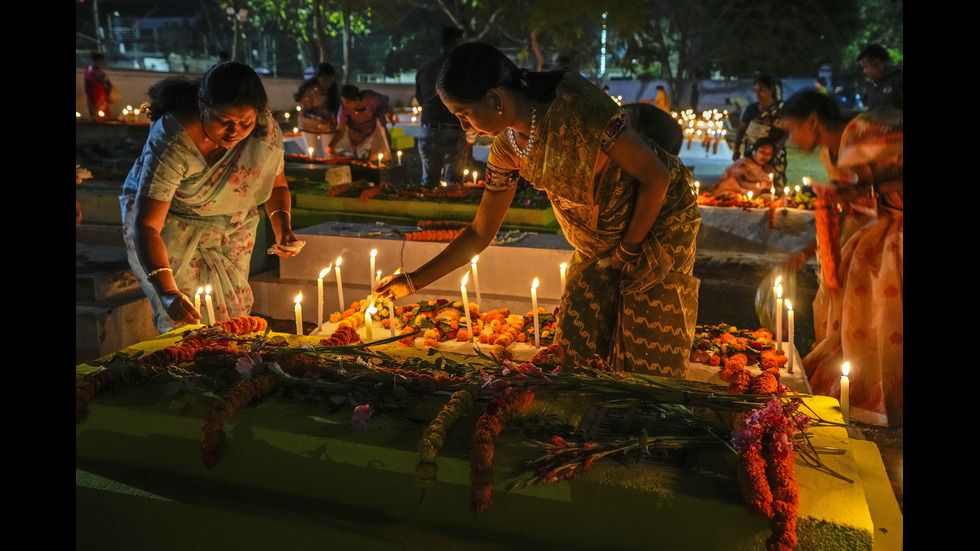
(362, 124)
(190, 203)
(97, 88)
(319, 101)
(821, 85)
(887, 87)
(443, 144)
(661, 100)
(624, 203)
(762, 119)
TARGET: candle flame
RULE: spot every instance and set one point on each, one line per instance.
(207, 291)
(374, 253)
(325, 271)
(779, 291)
(789, 305)
(298, 299)
(563, 266)
(371, 310)
(845, 369)
(465, 277)
(339, 259)
(200, 290)
(776, 283)
(475, 258)
(534, 284)
(398, 271)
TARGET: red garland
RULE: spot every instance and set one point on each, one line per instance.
(767, 480)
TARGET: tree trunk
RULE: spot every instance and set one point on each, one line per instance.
(536, 48)
(345, 13)
(322, 40)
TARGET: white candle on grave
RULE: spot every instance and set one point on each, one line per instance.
(779, 318)
(466, 306)
(474, 177)
(210, 303)
(369, 323)
(340, 286)
(298, 310)
(785, 197)
(380, 156)
(310, 151)
(399, 157)
(562, 268)
(374, 253)
(197, 299)
(476, 281)
(790, 352)
(845, 392)
(534, 308)
(319, 295)
(391, 308)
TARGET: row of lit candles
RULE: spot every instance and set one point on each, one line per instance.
(376, 279)
(845, 386)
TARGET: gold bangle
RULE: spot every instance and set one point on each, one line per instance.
(628, 253)
(157, 271)
(411, 286)
(271, 214)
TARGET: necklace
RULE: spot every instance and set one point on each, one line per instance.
(204, 130)
(522, 153)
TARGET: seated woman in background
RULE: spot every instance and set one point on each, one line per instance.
(748, 173)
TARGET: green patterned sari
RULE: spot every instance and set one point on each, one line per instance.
(638, 319)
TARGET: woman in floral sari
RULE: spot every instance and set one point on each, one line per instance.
(189, 205)
(625, 204)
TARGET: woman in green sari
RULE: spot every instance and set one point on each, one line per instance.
(189, 205)
(625, 204)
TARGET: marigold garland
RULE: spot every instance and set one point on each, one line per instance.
(245, 392)
(197, 345)
(488, 429)
(434, 437)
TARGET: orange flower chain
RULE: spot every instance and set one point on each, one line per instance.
(196, 345)
(498, 413)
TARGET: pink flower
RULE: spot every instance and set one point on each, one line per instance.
(361, 415)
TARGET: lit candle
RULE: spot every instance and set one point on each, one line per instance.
(340, 286)
(697, 188)
(785, 197)
(779, 318)
(374, 253)
(310, 151)
(380, 156)
(207, 300)
(466, 306)
(368, 323)
(789, 319)
(319, 296)
(749, 194)
(561, 270)
(845, 392)
(298, 310)
(534, 308)
(197, 299)
(474, 177)
(476, 281)
(399, 157)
